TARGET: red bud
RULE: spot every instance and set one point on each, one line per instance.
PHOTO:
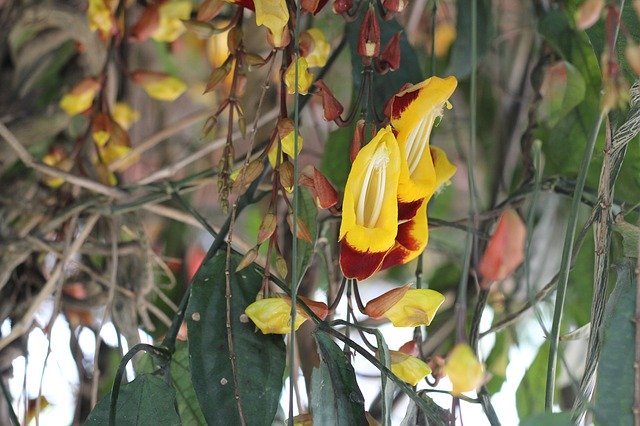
(312, 6)
(356, 142)
(369, 37)
(342, 6)
(391, 52)
(331, 106)
(149, 22)
(326, 195)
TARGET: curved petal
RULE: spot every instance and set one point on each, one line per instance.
(414, 112)
(274, 15)
(443, 167)
(411, 239)
(273, 315)
(408, 368)
(416, 307)
(464, 370)
(370, 210)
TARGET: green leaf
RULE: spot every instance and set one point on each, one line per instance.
(615, 385)
(564, 142)
(563, 89)
(142, 402)
(384, 86)
(548, 419)
(497, 362)
(630, 234)
(335, 396)
(259, 358)
(416, 415)
(460, 63)
(308, 212)
(335, 164)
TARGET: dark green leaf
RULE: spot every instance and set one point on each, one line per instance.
(615, 384)
(384, 86)
(548, 419)
(335, 164)
(335, 396)
(460, 63)
(259, 358)
(142, 402)
(416, 415)
(630, 234)
(564, 90)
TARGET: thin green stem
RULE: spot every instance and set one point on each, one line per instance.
(294, 226)
(567, 252)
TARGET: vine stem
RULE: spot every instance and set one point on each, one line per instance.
(636, 394)
(567, 253)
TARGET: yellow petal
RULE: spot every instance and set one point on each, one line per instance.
(80, 97)
(443, 167)
(414, 112)
(171, 14)
(416, 307)
(274, 15)
(273, 315)
(445, 36)
(318, 56)
(464, 369)
(408, 368)
(99, 16)
(370, 208)
(124, 115)
(161, 86)
(305, 78)
(287, 147)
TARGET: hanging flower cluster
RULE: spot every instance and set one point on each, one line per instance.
(384, 220)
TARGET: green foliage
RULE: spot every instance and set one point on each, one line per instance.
(497, 362)
(615, 386)
(335, 162)
(308, 213)
(529, 396)
(335, 396)
(460, 63)
(548, 419)
(259, 359)
(142, 402)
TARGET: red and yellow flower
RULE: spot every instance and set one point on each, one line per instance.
(370, 208)
(273, 314)
(405, 306)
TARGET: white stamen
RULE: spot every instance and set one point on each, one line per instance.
(369, 205)
(418, 138)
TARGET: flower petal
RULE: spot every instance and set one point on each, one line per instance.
(408, 368)
(464, 369)
(443, 167)
(411, 240)
(370, 210)
(274, 15)
(273, 315)
(414, 112)
(417, 307)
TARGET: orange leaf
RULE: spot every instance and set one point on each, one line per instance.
(505, 251)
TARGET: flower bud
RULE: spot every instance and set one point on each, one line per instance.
(406, 307)
(394, 6)
(369, 36)
(391, 53)
(342, 6)
(124, 115)
(356, 141)
(588, 13)
(632, 53)
(330, 105)
(314, 47)
(146, 25)
(209, 9)
(408, 368)
(326, 195)
(312, 6)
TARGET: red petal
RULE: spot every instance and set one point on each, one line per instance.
(505, 251)
(359, 265)
(406, 211)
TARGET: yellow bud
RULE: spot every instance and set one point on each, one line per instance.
(171, 14)
(159, 85)
(80, 97)
(124, 115)
(408, 368)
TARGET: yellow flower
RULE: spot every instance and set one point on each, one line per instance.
(58, 159)
(408, 368)
(287, 142)
(406, 307)
(305, 78)
(274, 15)
(445, 36)
(171, 14)
(464, 369)
(314, 47)
(273, 315)
(100, 16)
(80, 97)
(414, 112)
(370, 207)
(159, 85)
(124, 115)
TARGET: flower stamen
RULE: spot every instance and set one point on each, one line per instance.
(373, 189)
